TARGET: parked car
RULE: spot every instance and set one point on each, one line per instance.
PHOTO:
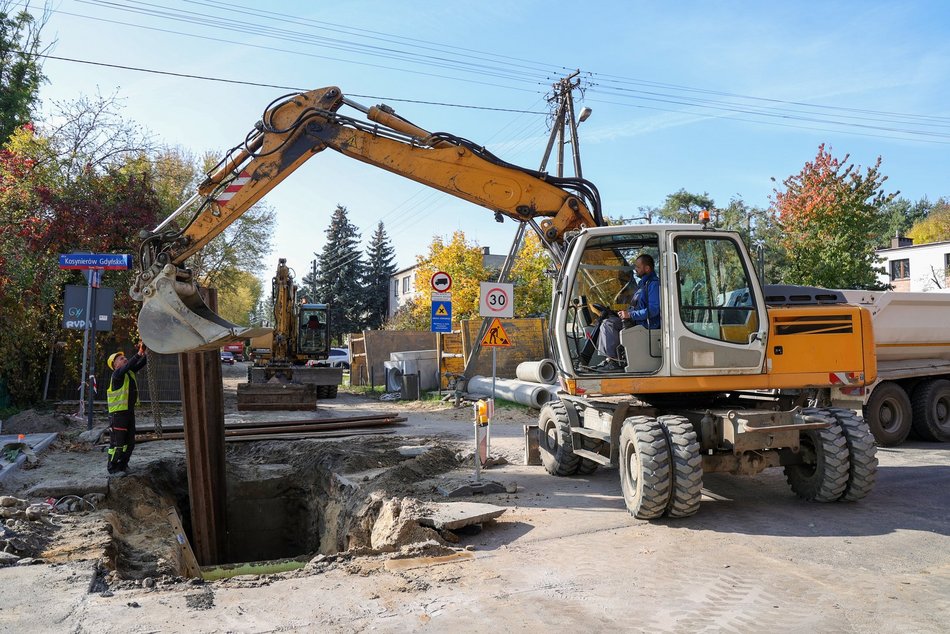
(339, 358)
(227, 357)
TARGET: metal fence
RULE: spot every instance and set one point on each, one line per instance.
(63, 379)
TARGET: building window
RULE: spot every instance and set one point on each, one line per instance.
(900, 269)
(395, 288)
(946, 264)
(405, 285)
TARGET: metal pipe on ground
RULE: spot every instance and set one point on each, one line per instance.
(543, 371)
(530, 394)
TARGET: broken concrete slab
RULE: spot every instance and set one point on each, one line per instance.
(455, 515)
(8, 559)
(466, 488)
(92, 435)
(413, 451)
(59, 488)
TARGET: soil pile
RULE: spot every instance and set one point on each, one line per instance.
(32, 421)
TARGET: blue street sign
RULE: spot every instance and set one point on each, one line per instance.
(110, 261)
(441, 316)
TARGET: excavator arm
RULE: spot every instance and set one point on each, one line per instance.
(173, 317)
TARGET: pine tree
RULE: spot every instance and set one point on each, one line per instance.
(340, 274)
(380, 266)
(20, 72)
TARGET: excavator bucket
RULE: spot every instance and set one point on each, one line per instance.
(175, 319)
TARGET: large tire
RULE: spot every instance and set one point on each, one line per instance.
(332, 391)
(823, 476)
(932, 410)
(644, 467)
(555, 444)
(862, 453)
(586, 466)
(686, 466)
(889, 414)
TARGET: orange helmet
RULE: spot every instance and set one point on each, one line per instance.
(112, 358)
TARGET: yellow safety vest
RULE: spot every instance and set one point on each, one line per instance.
(119, 399)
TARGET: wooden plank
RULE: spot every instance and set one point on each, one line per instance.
(184, 546)
(203, 413)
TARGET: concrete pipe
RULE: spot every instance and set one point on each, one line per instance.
(530, 394)
(543, 371)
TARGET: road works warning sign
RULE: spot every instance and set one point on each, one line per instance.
(496, 337)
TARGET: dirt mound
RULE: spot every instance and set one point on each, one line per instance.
(33, 422)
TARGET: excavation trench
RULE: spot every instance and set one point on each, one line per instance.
(286, 500)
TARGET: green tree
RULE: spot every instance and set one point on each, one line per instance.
(380, 265)
(832, 216)
(239, 304)
(684, 207)
(20, 71)
(532, 286)
(935, 227)
(340, 270)
(901, 215)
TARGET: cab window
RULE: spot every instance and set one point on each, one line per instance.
(715, 296)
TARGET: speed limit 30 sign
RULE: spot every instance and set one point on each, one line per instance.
(496, 300)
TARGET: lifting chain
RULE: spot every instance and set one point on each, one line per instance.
(153, 392)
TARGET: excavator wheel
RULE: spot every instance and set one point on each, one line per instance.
(686, 466)
(557, 448)
(644, 467)
(823, 474)
(862, 454)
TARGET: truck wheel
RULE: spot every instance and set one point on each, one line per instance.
(889, 414)
(587, 466)
(686, 466)
(862, 471)
(932, 410)
(332, 391)
(557, 448)
(644, 467)
(823, 474)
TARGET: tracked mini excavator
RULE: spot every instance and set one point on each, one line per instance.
(713, 389)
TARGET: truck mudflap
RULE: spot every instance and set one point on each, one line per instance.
(175, 319)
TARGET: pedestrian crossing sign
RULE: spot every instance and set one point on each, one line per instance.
(495, 336)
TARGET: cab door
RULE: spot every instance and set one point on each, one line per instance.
(719, 323)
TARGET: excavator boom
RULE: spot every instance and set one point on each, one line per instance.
(173, 317)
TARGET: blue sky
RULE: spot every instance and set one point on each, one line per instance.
(714, 97)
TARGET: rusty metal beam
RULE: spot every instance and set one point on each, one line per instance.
(202, 398)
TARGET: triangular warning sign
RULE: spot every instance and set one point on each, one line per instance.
(441, 312)
(496, 337)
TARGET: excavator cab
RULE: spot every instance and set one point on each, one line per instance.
(314, 336)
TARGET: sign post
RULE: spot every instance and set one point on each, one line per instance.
(94, 264)
(441, 321)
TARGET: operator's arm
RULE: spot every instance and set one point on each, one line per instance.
(652, 309)
(134, 363)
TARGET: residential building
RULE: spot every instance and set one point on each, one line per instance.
(915, 267)
(403, 282)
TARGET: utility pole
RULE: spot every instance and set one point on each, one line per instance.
(313, 281)
(565, 125)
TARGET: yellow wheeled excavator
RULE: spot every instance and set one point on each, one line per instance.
(712, 389)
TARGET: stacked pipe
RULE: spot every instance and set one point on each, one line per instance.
(533, 387)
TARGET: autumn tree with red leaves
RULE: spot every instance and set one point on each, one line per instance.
(41, 216)
(832, 217)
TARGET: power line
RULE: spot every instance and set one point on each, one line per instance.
(278, 86)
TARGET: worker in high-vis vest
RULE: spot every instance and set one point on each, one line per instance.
(123, 395)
